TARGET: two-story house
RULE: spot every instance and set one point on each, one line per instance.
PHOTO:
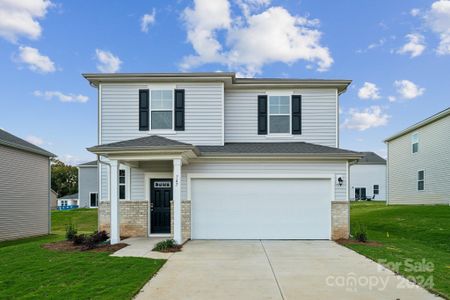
(418, 164)
(212, 156)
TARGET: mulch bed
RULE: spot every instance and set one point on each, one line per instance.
(176, 248)
(68, 246)
(355, 242)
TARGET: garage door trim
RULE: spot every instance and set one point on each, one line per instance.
(330, 177)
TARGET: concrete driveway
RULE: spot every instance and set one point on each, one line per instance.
(275, 270)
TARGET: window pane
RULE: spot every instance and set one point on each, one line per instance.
(121, 176)
(121, 172)
(161, 120)
(161, 99)
(279, 124)
(279, 104)
(93, 200)
(415, 138)
(420, 175)
(284, 104)
(122, 192)
(420, 185)
(415, 147)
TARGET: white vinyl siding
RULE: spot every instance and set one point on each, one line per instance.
(433, 157)
(24, 194)
(366, 176)
(318, 117)
(87, 184)
(203, 113)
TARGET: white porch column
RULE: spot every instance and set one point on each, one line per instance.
(114, 201)
(177, 200)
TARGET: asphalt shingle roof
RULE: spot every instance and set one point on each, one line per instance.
(73, 196)
(10, 140)
(273, 148)
(371, 158)
(148, 142)
(88, 164)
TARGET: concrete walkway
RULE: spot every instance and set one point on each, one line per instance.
(275, 270)
(142, 247)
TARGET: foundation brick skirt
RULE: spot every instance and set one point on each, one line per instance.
(133, 217)
(340, 220)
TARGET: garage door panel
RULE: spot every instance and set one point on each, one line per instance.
(261, 208)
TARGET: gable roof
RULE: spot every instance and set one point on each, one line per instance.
(229, 79)
(13, 141)
(89, 164)
(371, 158)
(279, 149)
(297, 149)
(72, 196)
(435, 117)
(152, 142)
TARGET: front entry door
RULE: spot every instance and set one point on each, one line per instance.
(160, 197)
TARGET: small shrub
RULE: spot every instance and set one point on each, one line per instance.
(360, 233)
(71, 232)
(79, 239)
(165, 245)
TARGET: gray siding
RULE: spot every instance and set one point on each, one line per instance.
(433, 157)
(87, 183)
(24, 192)
(318, 117)
(203, 113)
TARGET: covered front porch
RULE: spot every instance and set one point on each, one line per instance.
(144, 188)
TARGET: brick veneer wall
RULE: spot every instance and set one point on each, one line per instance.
(340, 220)
(185, 220)
(133, 217)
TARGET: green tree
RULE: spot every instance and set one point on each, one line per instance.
(64, 178)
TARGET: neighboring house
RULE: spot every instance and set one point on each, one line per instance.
(212, 156)
(68, 202)
(368, 178)
(24, 188)
(88, 184)
(53, 199)
(418, 162)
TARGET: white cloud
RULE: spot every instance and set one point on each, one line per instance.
(415, 45)
(408, 89)
(35, 140)
(414, 12)
(20, 18)
(107, 62)
(71, 160)
(147, 20)
(35, 60)
(438, 19)
(392, 98)
(364, 119)
(273, 35)
(369, 91)
(250, 6)
(48, 95)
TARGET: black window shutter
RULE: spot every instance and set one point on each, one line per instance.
(179, 110)
(143, 110)
(296, 114)
(262, 114)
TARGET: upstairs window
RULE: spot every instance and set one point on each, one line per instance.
(161, 109)
(376, 189)
(421, 180)
(122, 184)
(279, 114)
(415, 143)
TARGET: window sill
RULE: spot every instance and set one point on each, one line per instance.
(162, 131)
(279, 136)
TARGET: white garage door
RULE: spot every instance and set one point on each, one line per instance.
(261, 208)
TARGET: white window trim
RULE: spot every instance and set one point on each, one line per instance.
(159, 88)
(418, 180)
(90, 199)
(412, 143)
(283, 134)
(127, 170)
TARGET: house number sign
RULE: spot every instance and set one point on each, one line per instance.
(162, 184)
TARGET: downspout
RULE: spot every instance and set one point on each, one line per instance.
(49, 196)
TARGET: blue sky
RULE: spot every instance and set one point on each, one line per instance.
(396, 52)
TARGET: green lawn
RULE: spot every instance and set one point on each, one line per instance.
(31, 272)
(409, 235)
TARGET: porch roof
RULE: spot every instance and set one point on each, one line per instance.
(286, 149)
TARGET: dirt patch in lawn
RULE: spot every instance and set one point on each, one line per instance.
(68, 246)
(355, 242)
